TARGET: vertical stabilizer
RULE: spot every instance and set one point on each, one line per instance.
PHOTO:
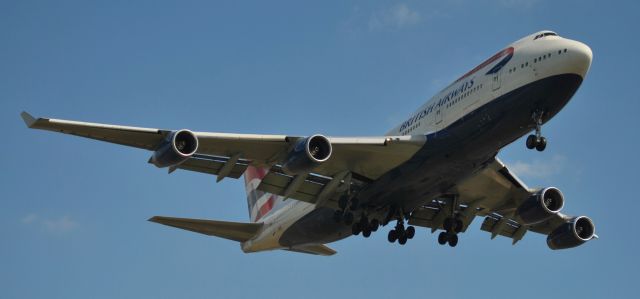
(260, 203)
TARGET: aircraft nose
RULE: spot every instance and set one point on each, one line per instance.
(580, 57)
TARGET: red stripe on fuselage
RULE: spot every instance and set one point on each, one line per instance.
(507, 51)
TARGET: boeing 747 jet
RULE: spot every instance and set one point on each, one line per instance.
(437, 169)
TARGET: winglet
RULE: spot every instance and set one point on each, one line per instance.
(28, 119)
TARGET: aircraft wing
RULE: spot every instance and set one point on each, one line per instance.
(493, 193)
(228, 155)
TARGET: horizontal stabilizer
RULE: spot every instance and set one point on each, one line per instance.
(235, 231)
(319, 249)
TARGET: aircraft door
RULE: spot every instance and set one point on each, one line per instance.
(439, 113)
(496, 80)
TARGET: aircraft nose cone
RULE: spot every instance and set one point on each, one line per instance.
(581, 57)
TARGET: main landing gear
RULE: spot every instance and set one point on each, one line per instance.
(400, 233)
(343, 214)
(536, 140)
(346, 215)
(452, 227)
(365, 226)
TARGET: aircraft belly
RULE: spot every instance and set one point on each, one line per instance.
(317, 227)
(461, 148)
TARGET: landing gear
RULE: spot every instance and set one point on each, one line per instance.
(401, 234)
(452, 225)
(344, 215)
(536, 140)
(448, 237)
(365, 226)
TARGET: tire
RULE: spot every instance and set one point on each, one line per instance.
(402, 240)
(366, 233)
(542, 144)
(374, 225)
(442, 238)
(532, 141)
(393, 236)
(411, 231)
(356, 229)
(453, 240)
(348, 218)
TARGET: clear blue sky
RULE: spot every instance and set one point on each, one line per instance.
(73, 211)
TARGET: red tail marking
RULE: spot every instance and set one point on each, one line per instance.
(266, 207)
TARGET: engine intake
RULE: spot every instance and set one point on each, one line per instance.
(571, 234)
(175, 149)
(541, 205)
(307, 154)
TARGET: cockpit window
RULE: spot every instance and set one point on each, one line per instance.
(545, 34)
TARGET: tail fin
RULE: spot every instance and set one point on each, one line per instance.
(260, 203)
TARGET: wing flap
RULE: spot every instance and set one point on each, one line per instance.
(213, 165)
(235, 231)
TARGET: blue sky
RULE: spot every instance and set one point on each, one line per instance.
(73, 211)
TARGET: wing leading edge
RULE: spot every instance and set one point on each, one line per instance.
(228, 155)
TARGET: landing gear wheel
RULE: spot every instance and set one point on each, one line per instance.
(411, 231)
(442, 238)
(459, 226)
(542, 144)
(532, 141)
(374, 225)
(348, 218)
(402, 239)
(393, 236)
(356, 229)
(337, 216)
(366, 232)
(453, 240)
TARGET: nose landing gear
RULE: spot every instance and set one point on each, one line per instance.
(536, 140)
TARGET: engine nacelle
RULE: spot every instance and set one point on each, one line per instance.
(307, 154)
(175, 149)
(572, 234)
(541, 205)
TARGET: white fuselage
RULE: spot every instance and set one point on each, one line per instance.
(533, 58)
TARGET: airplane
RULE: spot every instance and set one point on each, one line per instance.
(438, 169)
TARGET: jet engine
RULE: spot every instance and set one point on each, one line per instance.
(175, 149)
(307, 154)
(541, 205)
(572, 234)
